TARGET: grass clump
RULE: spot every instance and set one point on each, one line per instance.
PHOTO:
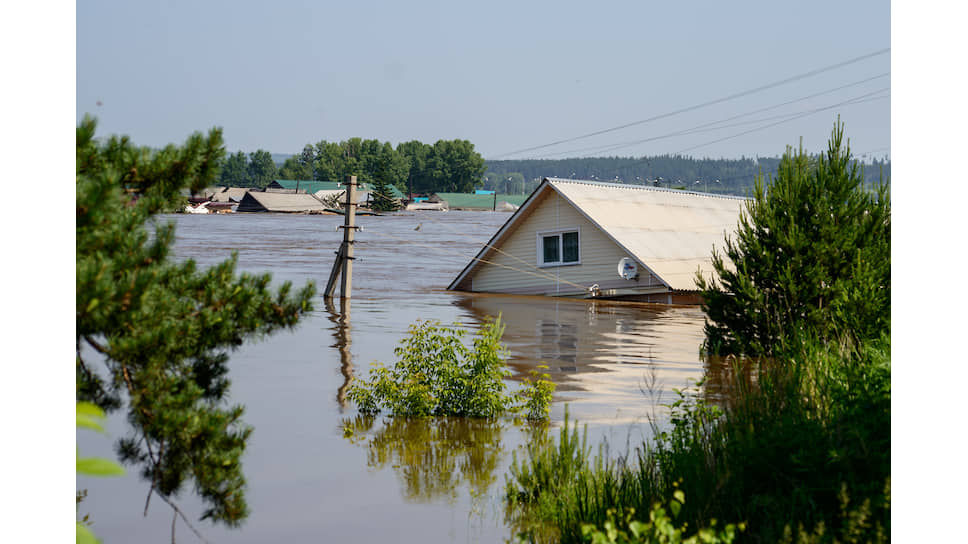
(799, 453)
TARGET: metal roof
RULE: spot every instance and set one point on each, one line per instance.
(230, 194)
(672, 233)
(279, 202)
(480, 202)
(361, 196)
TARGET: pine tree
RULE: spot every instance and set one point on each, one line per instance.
(811, 257)
(153, 335)
(383, 199)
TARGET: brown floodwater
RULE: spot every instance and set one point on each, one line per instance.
(316, 470)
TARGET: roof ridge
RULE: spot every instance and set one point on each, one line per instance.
(642, 188)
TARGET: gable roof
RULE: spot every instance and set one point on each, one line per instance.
(669, 232)
(279, 202)
(230, 194)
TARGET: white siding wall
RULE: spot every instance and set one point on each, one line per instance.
(599, 257)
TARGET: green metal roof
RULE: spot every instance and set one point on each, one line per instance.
(310, 186)
(483, 202)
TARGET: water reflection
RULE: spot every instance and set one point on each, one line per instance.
(433, 457)
(341, 334)
(726, 378)
(583, 336)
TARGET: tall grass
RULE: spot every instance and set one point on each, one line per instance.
(799, 450)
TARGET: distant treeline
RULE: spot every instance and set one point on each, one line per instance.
(445, 166)
(454, 166)
(731, 176)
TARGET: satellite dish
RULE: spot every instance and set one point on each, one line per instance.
(627, 268)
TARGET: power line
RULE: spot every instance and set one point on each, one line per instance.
(704, 104)
(696, 129)
(867, 97)
(856, 100)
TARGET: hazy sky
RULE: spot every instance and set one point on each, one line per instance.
(507, 76)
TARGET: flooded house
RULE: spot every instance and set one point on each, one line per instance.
(576, 238)
(256, 201)
(331, 192)
(230, 194)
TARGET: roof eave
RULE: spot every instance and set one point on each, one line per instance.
(507, 227)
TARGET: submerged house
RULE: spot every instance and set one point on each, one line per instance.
(584, 239)
(230, 194)
(255, 201)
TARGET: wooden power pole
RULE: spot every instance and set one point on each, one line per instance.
(343, 265)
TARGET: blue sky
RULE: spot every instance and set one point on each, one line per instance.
(508, 76)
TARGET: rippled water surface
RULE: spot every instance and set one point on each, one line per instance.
(395, 480)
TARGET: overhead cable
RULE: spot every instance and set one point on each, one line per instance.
(704, 104)
(703, 127)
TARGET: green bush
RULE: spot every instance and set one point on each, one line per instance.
(811, 259)
(659, 529)
(438, 375)
(90, 416)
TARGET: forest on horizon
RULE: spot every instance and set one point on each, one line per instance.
(454, 166)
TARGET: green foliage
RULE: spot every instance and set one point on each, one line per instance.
(811, 259)
(90, 416)
(161, 331)
(538, 483)
(791, 441)
(387, 174)
(437, 374)
(659, 529)
(537, 394)
(255, 170)
(721, 176)
(292, 168)
(235, 171)
(454, 166)
(445, 166)
(262, 169)
(432, 457)
(800, 439)
(858, 525)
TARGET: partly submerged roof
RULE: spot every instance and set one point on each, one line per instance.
(482, 202)
(231, 194)
(672, 233)
(279, 202)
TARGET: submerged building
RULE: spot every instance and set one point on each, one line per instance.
(578, 238)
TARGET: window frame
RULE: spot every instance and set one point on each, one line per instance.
(539, 246)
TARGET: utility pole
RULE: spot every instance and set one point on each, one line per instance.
(343, 265)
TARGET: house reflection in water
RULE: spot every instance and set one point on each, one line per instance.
(609, 359)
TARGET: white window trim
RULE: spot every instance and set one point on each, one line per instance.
(561, 247)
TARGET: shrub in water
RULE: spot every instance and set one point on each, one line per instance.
(438, 375)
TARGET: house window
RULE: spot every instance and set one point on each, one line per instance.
(558, 248)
